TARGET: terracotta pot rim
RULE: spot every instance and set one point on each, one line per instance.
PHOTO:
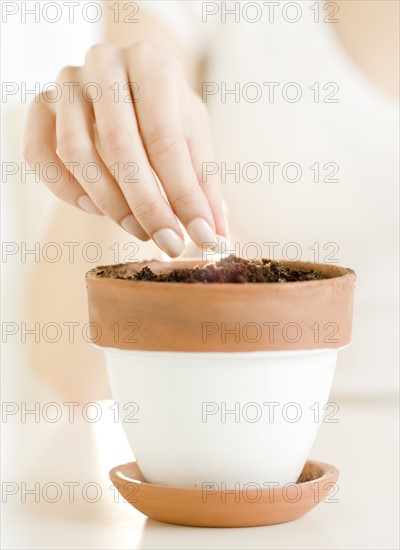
(191, 317)
(342, 273)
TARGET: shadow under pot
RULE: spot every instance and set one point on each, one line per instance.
(224, 382)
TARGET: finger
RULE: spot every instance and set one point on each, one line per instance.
(200, 142)
(76, 146)
(160, 120)
(121, 146)
(40, 154)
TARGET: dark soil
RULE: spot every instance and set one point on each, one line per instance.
(229, 270)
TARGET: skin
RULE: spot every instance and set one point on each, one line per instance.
(164, 129)
(170, 143)
(368, 33)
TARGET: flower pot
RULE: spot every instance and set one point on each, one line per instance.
(220, 383)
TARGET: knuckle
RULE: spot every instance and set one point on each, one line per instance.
(98, 52)
(67, 73)
(116, 142)
(51, 95)
(145, 54)
(161, 143)
(143, 49)
(147, 211)
(183, 201)
(108, 204)
(71, 148)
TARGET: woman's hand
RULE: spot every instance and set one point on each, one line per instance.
(125, 115)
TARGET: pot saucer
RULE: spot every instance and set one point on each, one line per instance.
(210, 507)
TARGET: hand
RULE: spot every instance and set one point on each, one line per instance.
(123, 117)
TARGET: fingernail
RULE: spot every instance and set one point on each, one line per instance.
(86, 203)
(132, 226)
(201, 233)
(169, 242)
(223, 226)
(222, 241)
(226, 227)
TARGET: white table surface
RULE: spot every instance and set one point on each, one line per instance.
(363, 445)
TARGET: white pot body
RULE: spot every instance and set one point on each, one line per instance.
(231, 419)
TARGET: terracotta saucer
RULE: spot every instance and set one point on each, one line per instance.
(210, 507)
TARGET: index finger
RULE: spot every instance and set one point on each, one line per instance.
(160, 119)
